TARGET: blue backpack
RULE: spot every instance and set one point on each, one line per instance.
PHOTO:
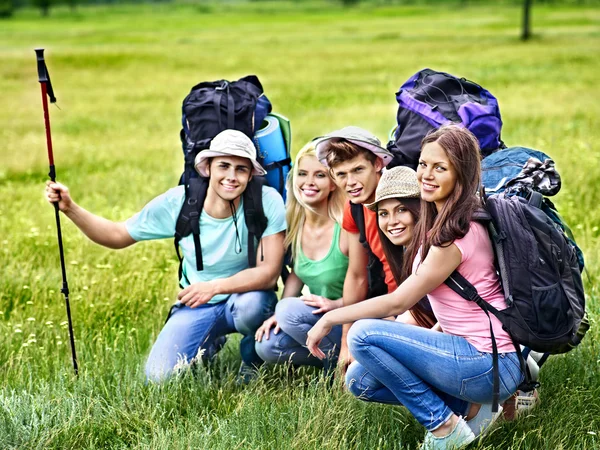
(430, 99)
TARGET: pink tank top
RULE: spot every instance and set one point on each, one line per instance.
(461, 317)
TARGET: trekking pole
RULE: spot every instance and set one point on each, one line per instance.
(44, 79)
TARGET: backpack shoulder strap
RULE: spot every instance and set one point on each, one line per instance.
(358, 214)
(188, 220)
(375, 270)
(254, 214)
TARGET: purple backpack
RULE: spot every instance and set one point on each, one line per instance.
(430, 99)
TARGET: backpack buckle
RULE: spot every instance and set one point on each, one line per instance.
(223, 86)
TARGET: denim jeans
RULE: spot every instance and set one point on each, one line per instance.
(190, 330)
(295, 319)
(432, 374)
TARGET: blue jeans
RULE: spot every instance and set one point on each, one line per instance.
(295, 319)
(432, 374)
(190, 333)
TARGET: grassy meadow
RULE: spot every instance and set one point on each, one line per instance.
(120, 74)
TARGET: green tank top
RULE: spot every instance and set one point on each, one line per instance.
(326, 276)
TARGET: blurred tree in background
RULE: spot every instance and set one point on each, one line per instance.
(6, 8)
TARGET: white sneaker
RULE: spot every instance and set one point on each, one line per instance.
(484, 419)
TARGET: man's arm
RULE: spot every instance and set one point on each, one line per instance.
(356, 286)
(100, 230)
(262, 277)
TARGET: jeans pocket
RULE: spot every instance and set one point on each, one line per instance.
(478, 389)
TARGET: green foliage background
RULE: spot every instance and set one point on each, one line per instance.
(120, 74)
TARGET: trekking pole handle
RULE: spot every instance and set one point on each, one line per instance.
(41, 65)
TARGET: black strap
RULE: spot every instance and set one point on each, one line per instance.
(217, 104)
(189, 219)
(279, 165)
(230, 110)
(219, 91)
(358, 214)
(535, 199)
(466, 290)
(254, 214)
(375, 270)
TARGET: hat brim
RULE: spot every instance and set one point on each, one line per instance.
(322, 148)
(201, 162)
(373, 206)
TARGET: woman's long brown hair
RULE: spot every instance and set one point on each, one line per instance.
(401, 267)
(454, 219)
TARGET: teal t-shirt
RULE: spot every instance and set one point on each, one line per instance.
(324, 277)
(219, 253)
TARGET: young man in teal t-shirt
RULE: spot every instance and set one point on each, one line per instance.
(227, 295)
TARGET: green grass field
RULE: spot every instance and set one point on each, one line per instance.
(120, 74)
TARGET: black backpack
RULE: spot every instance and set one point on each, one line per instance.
(540, 277)
(430, 99)
(376, 274)
(208, 109)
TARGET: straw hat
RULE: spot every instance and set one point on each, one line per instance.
(229, 143)
(399, 182)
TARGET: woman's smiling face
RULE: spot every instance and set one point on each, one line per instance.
(436, 175)
(313, 181)
(396, 221)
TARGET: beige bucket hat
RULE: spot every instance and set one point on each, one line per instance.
(399, 182)
(229, 143)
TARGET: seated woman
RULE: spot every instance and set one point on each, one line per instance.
(397, 204)
(319, 249)
(439, 377)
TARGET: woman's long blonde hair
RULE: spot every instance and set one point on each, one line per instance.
(295, 208)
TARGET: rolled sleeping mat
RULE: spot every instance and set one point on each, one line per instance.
(272, 153)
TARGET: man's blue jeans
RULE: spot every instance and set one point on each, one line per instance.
(295, 319)
(191, 332)
(432, 374)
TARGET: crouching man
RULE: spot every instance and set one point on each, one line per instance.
(228, 295)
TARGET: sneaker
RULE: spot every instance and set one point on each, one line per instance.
(484, 419)
(526, 401)
(458, 438)
(520, 402)
(246, 374)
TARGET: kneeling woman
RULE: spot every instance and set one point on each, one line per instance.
(320, 260)
(438, 376)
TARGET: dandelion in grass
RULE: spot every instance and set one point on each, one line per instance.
(18, 330)
(31, 319)
(25, 287)
(29, 302)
